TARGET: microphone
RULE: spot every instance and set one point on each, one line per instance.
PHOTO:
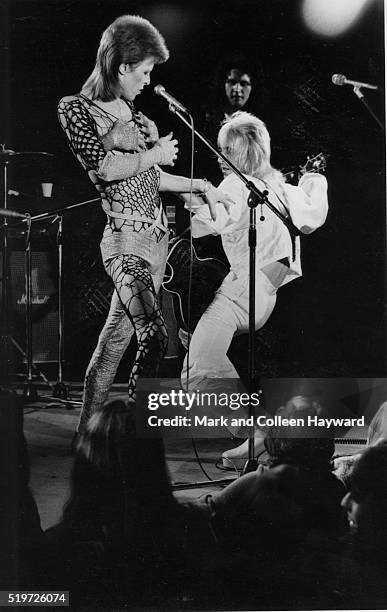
(160, 91)
(340, 79)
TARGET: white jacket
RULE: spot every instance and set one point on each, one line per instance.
(306, 203)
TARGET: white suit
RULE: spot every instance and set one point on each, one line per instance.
(228, 314)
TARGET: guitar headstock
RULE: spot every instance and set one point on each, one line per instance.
(314, 163)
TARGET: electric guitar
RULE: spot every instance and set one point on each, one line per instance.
(207, 276)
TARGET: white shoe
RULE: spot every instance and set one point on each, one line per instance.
(235, 458)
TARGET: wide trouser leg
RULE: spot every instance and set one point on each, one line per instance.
(210, 342)
(207, 355)
(207, 358)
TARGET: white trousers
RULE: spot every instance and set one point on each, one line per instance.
(224, 318)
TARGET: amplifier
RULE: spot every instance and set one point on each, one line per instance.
(44, 307)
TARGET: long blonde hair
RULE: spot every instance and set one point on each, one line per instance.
(244, 138)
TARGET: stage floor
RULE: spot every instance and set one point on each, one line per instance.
(49, 427)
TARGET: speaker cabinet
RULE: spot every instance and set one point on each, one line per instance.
(44, 308)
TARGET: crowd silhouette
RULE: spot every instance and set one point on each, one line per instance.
(291, 535)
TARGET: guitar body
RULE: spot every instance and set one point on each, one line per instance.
(207, 276)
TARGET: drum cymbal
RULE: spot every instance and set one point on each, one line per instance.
(6, 153)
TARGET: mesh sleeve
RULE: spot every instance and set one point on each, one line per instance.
(81, 132)
(85, 142)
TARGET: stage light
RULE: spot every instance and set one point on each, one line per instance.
(331, 17)
(172, 20)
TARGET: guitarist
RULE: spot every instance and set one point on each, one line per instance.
(244, 139)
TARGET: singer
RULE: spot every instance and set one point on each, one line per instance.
(121, 150)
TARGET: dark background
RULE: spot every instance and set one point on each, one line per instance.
(329, 323)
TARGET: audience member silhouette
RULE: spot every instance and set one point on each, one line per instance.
(377, 431)
(271, 522)
(119, 541)
(366, 508)
(22, 541)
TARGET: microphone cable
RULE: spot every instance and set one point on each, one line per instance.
(190, 281)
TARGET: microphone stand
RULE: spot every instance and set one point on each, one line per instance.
(256, 198)
(4, 285)
(29, 393)
(60, 389)
(358, 92)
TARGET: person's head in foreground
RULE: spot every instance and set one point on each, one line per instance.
(300, 445)
(366, 501)
(115, 473)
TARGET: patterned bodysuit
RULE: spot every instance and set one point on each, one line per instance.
(133, 247)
